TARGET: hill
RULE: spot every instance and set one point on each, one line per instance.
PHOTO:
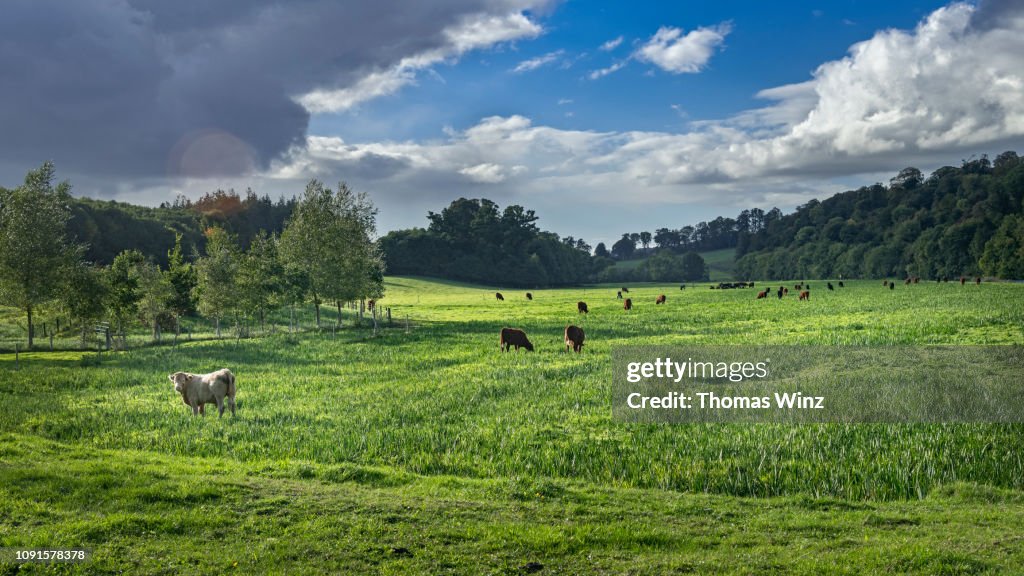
(957, 221)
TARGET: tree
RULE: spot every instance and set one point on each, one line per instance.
(645, 239)
(261, 277)
(35, 252)
(624, 247)
(601, 251)
(182, 277)
(123, 295)
(1004, 253)
(694, 267)
(83, 295)
(329, 239)
(216, 287)
(156, 294)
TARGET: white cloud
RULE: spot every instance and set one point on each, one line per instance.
(472, 33)
(542, 60)
(611, 44)
(678, 53)
(903, 97)
(488, 173)
(564, 101)
(601, 73)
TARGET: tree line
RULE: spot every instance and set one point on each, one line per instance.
(325, 253)
(475, 241)
(964, 221)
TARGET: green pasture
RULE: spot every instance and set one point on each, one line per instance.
(425, 449)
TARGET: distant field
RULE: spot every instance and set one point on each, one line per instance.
(426, 449)
(721, 264)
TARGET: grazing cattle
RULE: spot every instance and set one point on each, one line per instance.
(785, 291)
(830, 286)
(682, 286)
(628, 304)
(618, 295)
(798, 287)
(514, 337)
(892, 285)
(907, 282)
(581, 307)
(978, 280)
(529, 296)
(574, 338)
(841, 285)
(805, 295)
(962, 280)
(626, 290)
(885, 283)
(917, 279)
(198, 390)
(660, 299)
(499, 296)
(762, 294)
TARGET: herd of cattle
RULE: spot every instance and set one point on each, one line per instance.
(198, 390)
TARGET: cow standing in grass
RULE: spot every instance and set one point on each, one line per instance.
(198, 390)
(660, 299)
(514, 337)
(498, 296)
(574, 338)
(529, 296)
(805, 295)
(581, 308)
(627, 304)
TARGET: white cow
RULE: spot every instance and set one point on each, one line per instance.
(197, 390)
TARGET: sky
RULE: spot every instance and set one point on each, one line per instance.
(603, 117)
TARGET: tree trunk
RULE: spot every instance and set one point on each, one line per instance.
(339, 312)
(31, 331)
(316, 304)
(217, 320)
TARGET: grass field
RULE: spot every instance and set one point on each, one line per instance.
(424, 449)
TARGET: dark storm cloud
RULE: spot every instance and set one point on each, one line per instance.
(993, 13)
(191, 87)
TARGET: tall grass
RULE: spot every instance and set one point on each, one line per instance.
(441, 399)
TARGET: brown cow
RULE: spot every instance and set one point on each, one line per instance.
(370, 304)
(581, 307)
(978, 280)
(627, 304)
(660, 299)
(805, 295)
(626, 290)
(499, 296)
(762, 294)
(963, 280)
(574, 338)
(529, 296)
(514, 337)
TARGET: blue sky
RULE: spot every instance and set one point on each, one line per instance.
(771, 44)
(604, 117)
